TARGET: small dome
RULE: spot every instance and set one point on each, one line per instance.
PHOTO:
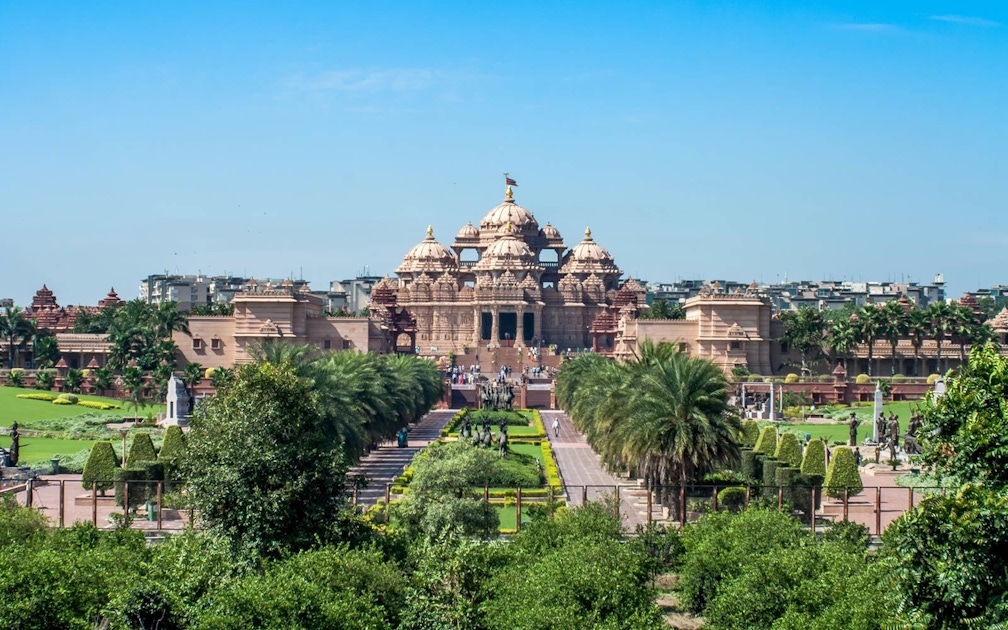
(550, 232)
(467, 232)
(589, 250)
(427, 255)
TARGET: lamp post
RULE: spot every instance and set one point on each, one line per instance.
(123, 433)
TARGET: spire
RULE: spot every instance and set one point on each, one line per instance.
(508, 195)
(430, 232)
(587, 233)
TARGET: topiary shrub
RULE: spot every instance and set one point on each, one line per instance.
(732, 499)
(70, 397)
(898, 378)
(172, 450)
(932, 378)
(842, 473)
(61, 401)
(862, 379)
(141, 450)
(824, 378)
(770, 467)
(791, 378)
(752, 465)
(100, 467)
(814, 461)
(754, 378)
(789, 450)
(750, 433)
(767, 442)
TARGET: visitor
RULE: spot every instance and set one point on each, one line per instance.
(556, 427)
(857, 456)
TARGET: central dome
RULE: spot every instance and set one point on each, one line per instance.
(427, 256)
(507, 252)
(521, 220)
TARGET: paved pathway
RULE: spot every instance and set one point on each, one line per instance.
(386, 463)
(583, 474)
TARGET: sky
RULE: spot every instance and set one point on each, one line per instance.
(744, 141)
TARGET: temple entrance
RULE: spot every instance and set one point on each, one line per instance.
(508, 327)
(528, 326)
(486, 326)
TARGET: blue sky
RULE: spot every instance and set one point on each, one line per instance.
(857, 140)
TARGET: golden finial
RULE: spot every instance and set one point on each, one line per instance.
(508, 194)
(507, 227)
(587, 232)
(430, 231)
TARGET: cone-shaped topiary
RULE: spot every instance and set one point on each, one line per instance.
(100, 467)
(174, 443)
(750, 433)
(842, 473)
(141, 450)
(814, 462)
(789, 450)
(767, 442)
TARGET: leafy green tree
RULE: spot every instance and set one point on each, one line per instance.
(842, 339)
(100, 467)
(192, 375)
(16, 329)
(663, 309)
(221, 376)
(804, 331)
(282, 488)
(842, 473)
(141, 450)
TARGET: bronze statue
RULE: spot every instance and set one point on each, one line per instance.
(15, 446)
(854, 423)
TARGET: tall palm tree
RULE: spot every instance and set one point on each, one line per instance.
(192, 374)
(940, 322)
(917, 329)
(868, 323)
(842, 339)
(893, 328)
(16, 329)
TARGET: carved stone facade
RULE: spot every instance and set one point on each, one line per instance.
(508, 282)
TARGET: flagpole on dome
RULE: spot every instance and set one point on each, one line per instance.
(508, 183)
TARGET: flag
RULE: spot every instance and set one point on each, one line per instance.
(510, 182)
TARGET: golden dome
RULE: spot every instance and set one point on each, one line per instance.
(427, 255)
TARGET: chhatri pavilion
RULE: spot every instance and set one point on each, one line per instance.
(508, 282)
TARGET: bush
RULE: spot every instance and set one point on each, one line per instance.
(750, 433)
(100, 467)
(141, 450)
(173, 445)
(755, 378)
(789, 450)
(814, 461)
(824, 378)
(767, 442)
(862, 379)
(932, 378)
(71, 398)
(94, 404)
(38, 396)
(898, 378)
(61, 401)
(791, 378)
(732, 499)
(770, 467)
(842, 473)
(752, 465)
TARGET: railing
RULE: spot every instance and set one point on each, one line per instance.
(160, 506)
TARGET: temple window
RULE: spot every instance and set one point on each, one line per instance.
(215, 344)
(197, 343)
(327, 344)
(346, 344)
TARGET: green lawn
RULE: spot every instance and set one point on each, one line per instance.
(836, 432)
(40, 450)
(32, 414)
(525, 448)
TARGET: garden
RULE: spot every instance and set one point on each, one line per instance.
(65, 425)
(501, 491)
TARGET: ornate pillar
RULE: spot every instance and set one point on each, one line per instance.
(477, 325)
(537, 323)
(520, 330)
(495, 327)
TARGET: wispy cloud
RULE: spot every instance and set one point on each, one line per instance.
(867, 27)
(965, 20)
(361, 80)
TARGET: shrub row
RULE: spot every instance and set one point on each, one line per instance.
(38, 396)
(68, 399)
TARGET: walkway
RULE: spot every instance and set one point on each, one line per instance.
(584, 477)
(383, 465)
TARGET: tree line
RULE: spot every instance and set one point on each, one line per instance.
(838, 334)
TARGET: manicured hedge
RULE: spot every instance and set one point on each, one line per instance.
(767, 442)
(789, 450)
(750, 433)
(38, 396)
(70, 398)
(814, 461)
(94, 404)
(100, 467)
(141, 450)
(732, 499)
(842, 473)
(770, 467)
(752, 465)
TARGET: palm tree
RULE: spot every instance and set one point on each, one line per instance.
(73, 380)
(44, 379)
(102, 379)
(192, 374)
(940, 322)
(45, 350)
(16, 329)
(917, 328)
(842, 340)
(168, 318)
(868, 323)
(893, 328)
(678, 425)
